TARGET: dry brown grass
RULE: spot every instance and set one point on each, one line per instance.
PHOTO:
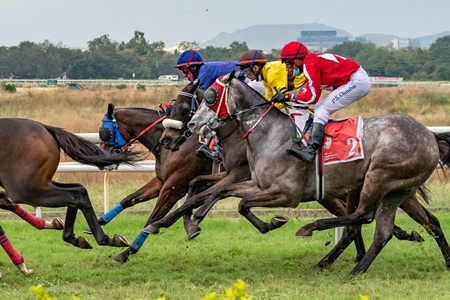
(82, 111)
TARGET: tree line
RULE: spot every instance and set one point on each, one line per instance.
(108, 59)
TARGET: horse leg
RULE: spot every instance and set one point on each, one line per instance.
(68, 235)
(36, 222)
(14, 255)
(74, 197)
(203, 180)
(149, 191)
(166, 200)
(384, 228)
(348, 236)
(431, 224)
(255, 197)
(335, 206)
(213, 194)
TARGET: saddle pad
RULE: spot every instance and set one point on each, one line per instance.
(342, 141)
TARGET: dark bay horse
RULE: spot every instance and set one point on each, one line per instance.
(174, 170)
(28, 162)
(400, 155)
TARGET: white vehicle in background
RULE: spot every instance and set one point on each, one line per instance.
(168, 77)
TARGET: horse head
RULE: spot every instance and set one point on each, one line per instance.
(221, 103)
(110, 137)
(184, 107)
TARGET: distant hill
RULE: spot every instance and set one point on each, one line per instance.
(268, 37)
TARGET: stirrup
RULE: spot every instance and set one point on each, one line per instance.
(308, 156)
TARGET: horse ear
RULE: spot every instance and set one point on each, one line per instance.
(110, 111)
(231, 76)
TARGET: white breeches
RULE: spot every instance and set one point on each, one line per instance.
(357, 87)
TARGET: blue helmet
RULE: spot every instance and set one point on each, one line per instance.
(188, 58)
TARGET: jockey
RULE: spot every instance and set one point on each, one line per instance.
(271, 74)
(347, 81)
(193, 67)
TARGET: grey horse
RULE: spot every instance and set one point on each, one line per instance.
(400, 154)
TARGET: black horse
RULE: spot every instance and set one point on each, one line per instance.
(28, 161)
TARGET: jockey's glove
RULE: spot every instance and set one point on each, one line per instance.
(280, 98)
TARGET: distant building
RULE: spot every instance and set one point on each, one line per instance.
(320, 40)
(405, 43)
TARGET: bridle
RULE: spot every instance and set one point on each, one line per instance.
(216, 99)
(176, 124)
(110, 135)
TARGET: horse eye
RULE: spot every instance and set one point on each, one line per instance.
(182, 109)
(210, 96)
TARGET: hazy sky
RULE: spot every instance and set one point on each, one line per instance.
(74, 23)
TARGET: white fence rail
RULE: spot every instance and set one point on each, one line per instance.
(143, 166)
(149, 166)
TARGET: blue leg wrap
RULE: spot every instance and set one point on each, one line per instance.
(112, 213)
(139, 241)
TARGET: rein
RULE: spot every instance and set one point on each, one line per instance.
(123, 148)
(224, 96)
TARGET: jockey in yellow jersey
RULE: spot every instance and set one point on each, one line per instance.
(272, 74)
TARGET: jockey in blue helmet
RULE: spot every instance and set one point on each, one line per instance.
(193, 67)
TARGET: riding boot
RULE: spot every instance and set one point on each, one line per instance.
(314, 142)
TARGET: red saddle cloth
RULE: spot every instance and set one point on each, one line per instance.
(342, 141)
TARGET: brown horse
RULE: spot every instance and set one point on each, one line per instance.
(399, 156)
(174, 170)
(29, 162)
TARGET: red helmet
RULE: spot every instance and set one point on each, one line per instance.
(250, 57)
(293, 50)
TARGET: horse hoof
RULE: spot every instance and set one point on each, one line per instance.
(302, 232)
(87, 230)
(279, 221)
(120, 241)
(417, 237)
(83, 243)
(151, 229)
(58, 224)
(121, 258)
(193, 232)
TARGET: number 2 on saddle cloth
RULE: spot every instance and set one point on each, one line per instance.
(342, 140)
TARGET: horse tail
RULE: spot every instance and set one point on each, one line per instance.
(443, 141)
(85, 152)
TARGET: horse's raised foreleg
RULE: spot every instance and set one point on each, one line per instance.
(149, 191)
(255, 197)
